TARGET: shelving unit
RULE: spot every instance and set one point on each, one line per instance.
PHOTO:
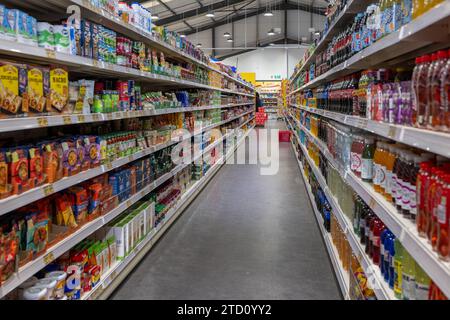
(82, 66)
(403, 229)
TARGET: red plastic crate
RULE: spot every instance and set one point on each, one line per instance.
(284, 136)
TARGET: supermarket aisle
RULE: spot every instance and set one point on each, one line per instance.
(246, 236)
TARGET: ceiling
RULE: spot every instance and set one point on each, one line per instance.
(189, 17)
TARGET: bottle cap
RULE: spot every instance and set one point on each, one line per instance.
(418, 60)
(426, 58)
(434, 57)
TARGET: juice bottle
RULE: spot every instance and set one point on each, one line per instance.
(429, 198)
(399, 173)
(406, 185)
(435, 193)
(436, 112)
(418, 8)
(443, 213)
(398, 268)
(356, 155)
(430, 4)
(369, 217)
(381, 262)
(380, 158)
(419, 89)
(362, 223)
(367, 160)
(392, 253)
(390, 160)
(422, 283)
(413, 186)
(422, 185)
(408, 277)
(376, 164)
(431, 68)
(445, 96)
(378, 229)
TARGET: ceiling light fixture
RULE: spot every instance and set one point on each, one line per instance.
(271, 44)
(182, 35)
(271, 32)
(268, 14)
(210, 14)
(155, 17)
(230, 40)
(227, 34)
(198, 45)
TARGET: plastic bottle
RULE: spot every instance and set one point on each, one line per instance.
(367, 160)
(378, 229)
(434, 195)
(435, 107)
(380, 157)
(418, 8)
(443, 212)
(422, 185)
(422, 283)
(392, 269)
(406, 185)
(430, 4)
(398, 187)
(413, 186)
(390, 160)
(408, 277)
(398, 268)
(381, 263)
(445, 96)
(419, 90)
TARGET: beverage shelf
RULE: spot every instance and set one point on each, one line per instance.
(431, 27)
(66, 244)
(345, 16)
(404, 229)
(432, 141)
(382, 290)
(114, 276)
(27, 123)
(102, 17)
(14, 202)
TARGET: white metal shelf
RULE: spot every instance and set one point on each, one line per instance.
(26, 123)
(14, 202)
(95, 67)
(341, 275)
(403, 229)
(100, 16)
(431, 27)
(66, 244)
(146, 244)
(436, 142)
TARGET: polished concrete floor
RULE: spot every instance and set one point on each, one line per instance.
(246, 236)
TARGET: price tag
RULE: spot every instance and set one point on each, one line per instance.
(81, 118)
(48, 190)
(113, 275)
(129, 203)
(95, 63)
(42, 122)
(49, 258)
(372, 203)
(51, 54)
(67, 120)
(96, 117)
(392, 132)
(130, 158)
(109, 166)
(109, 116)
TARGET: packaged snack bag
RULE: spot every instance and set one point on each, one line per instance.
(8, 254)
(19, 170)
(59, 89)
(64, 213)
(38, 89)
(37, 232)
(37, 175)
(53, 160)
(13, 83)
(71, 161)
(79, 200)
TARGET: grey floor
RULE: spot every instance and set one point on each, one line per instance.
(246, 236)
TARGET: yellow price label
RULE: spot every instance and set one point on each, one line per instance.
(130, 158)
(81, 118)
(392, 132)
(129, 203)
(96, 117)
(48, 190)
(109, 116)
(51, 54)
(109, 166)
(49, 258)
(95, 63)
(67, 120)
(372, 203)
(42, 122)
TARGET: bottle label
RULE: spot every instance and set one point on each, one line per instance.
(362, 224)
(355, 162)
(376, 241)
(388, 184)
(382, 251)
(408, 286)
(412, 199)
(418, 189)
(442, 211)
(398, 277)
(393, 183)
(421, 291)
(399, 191)
(376, 178)
(406, 195)
(367, 169)
(380, 175)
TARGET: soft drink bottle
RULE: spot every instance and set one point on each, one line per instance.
(419, 89)
(435, 106)
(443, 220)
(378, 229)
(445, 96)
(422, 185)
(398, 268)
(435, 193)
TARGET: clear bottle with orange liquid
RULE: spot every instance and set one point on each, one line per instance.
(389, 161)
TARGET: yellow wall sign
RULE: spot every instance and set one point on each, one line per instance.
(249, 77)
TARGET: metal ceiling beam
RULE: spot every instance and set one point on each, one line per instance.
(278, 6)
(198, 11)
